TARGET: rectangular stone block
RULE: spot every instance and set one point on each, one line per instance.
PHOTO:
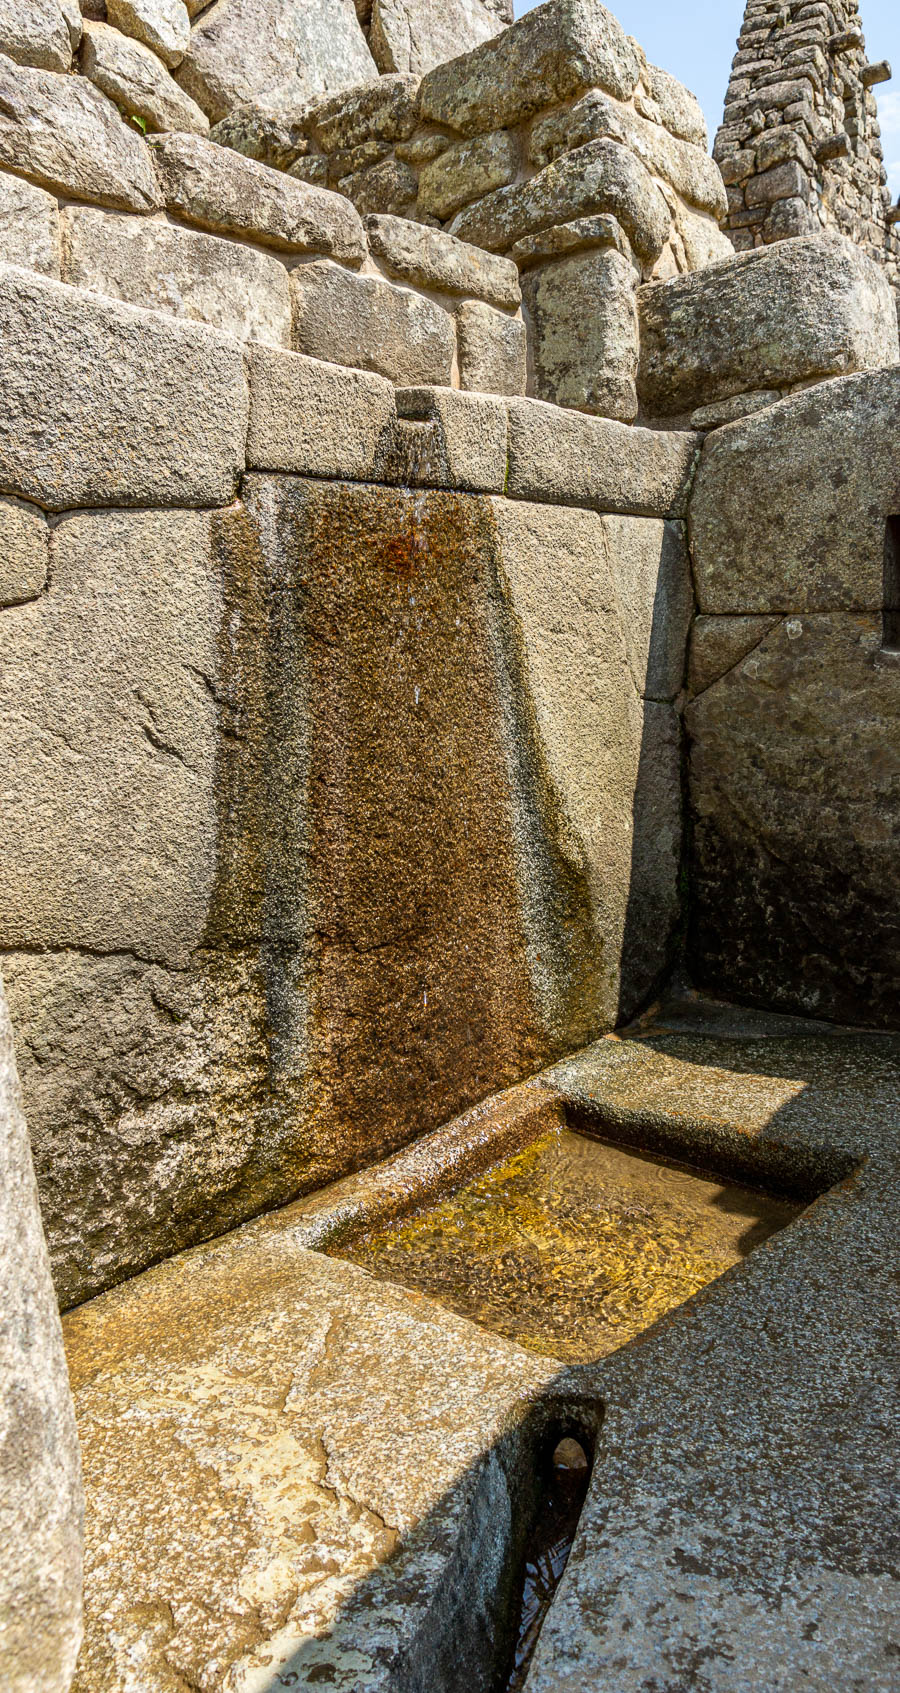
(601, 176)
(316, 419)
(29, 226)
(102, 404)
(493, 349)
(571, 459)
(789, 508)
(550, 55)
(108, 740)
(584, 333)
(64, 134)
(222, 191)
(652, 573)
(798, 311)
(433, 259)
(687, 168)
(795, 789)
(371, 324)
(237, 289)
(242, 48)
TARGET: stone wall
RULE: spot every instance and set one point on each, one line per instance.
(343, 758)
(794, 721)
(555, 144)
(174, 222)
(800, 146)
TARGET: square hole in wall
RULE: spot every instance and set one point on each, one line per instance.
(890, 639)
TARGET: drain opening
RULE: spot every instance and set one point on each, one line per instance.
(565, 1461)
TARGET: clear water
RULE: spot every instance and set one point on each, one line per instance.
(573, 1246)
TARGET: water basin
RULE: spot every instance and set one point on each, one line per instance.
(572, 1246)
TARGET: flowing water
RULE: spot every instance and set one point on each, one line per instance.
(573, 1246)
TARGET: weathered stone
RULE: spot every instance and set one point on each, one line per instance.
(314, 418)
(137, 81)
(222, 191)
(41, 1500)
(688, 169)
(493, 349)
(379, 111)
(341, 1568)
(788, 219)
(552, 54)
(414, 35)
(466, 171)
(461, 441)
(720, 643)
(789, 507)
(782, 182)
(109, 735)
(652, 574)
(591, 461)
(561, 239)
(163, 25)
(729, 411)
(795, 776)
(24, 552)
(432, 259)
(703, 241)
(260, 133)
(29, 226)
(169, 430)
(371, 324)
(190, 275)
(66, 135)
(71, 11)
(388, 187)
(600, 177)
(611, 761)
(583, 312)
(790, 313)
(240, 48)
(35, 32)
(679, 109)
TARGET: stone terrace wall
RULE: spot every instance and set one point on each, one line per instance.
(556, 144)
(800, 146)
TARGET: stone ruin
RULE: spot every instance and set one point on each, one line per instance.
(450, 664)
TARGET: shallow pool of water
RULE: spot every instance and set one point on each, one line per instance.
(573, 1246)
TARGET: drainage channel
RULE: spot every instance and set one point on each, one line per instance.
(565, 1461)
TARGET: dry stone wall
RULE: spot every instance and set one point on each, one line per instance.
(554, 144)
(800, 145)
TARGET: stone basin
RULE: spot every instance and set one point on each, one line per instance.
(572, 1246)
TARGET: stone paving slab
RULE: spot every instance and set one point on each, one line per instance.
(295, 1475)
(744, 1523)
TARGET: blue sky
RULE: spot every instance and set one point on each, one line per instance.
(695, 40)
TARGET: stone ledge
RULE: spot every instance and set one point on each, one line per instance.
(567, 458)
(315, 419)
(434, 259)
